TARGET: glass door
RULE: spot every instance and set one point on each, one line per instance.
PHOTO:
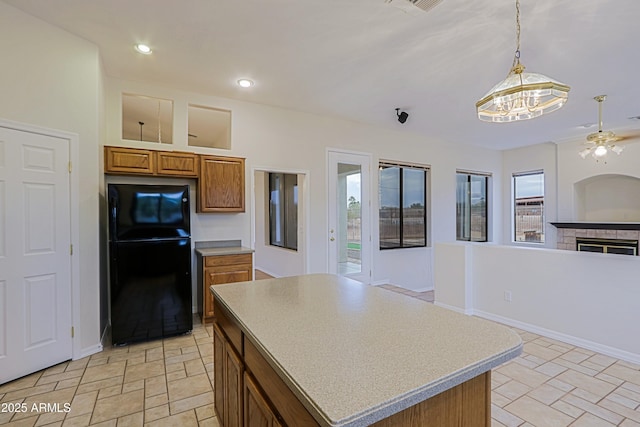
(349, 229)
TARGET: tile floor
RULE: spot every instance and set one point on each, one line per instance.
(169, 383)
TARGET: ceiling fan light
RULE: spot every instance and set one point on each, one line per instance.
(245, 83)
(143, 48)
(601, 141)
(584, 153)
(600, 151)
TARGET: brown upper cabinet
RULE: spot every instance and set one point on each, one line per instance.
(119, 160)
(221, 186)
(173, 163)
(220, 178)
(133, 161)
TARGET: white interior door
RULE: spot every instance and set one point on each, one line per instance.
(35, 260)
(349, 215)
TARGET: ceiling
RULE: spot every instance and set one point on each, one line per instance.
(360, 59)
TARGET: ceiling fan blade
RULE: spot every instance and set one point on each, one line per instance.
(628, 136)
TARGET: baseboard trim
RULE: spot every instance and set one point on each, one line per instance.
(569, 339)
(427, 289)
(468, 312)
(85, 352)
(105, 340)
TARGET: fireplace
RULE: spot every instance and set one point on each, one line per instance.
(603, 237)
(606, 246)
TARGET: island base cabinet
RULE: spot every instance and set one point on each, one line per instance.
(465, 405)
(248, 391)
(218, 371)
(257, 412)
(291, 411)
(228, 371)
(233, 385)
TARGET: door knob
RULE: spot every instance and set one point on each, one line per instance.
(332, 239)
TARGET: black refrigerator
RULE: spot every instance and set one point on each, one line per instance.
(149, 261)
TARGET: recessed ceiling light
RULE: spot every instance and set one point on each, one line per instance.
(245, 83)
(143, 48)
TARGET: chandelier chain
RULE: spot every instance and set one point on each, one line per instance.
(516, 58)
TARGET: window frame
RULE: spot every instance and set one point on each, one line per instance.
(514, 230)
(382, 164)
(288, 201)
(469, 175)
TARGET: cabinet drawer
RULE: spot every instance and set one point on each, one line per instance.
(129, 161)
(213, 261)
(177, 164)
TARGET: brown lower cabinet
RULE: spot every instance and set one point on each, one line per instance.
(220, 270)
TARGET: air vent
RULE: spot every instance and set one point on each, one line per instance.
(425, 5)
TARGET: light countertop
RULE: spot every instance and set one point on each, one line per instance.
(354, 354)
(229, 250)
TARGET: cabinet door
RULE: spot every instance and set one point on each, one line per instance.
(120, 160)
(223, 269)
(233, 376)
(221, 185)
(209, 275)
(174, 163)
(218, 371)
(257, 412)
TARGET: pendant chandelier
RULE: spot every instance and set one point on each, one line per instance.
(521, 95)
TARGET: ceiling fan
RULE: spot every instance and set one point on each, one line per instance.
(601, 142)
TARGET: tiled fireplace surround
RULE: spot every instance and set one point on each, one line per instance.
(566, 237)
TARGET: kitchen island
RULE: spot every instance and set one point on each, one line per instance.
(324, 350)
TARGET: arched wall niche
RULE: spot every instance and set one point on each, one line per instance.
(607, 198)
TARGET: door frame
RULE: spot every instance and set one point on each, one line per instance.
(74, 190)
(306, 210)
(365, 209)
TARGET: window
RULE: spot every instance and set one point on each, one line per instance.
(471, 206)
(528, 207)
(402, 196)
(283, 210)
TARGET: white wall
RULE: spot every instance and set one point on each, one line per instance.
(526, 159)
(453, 276)
(590, 300)
(608, 198)
(52, 79)
(273, 260)
(574, 170)
(279, 139)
